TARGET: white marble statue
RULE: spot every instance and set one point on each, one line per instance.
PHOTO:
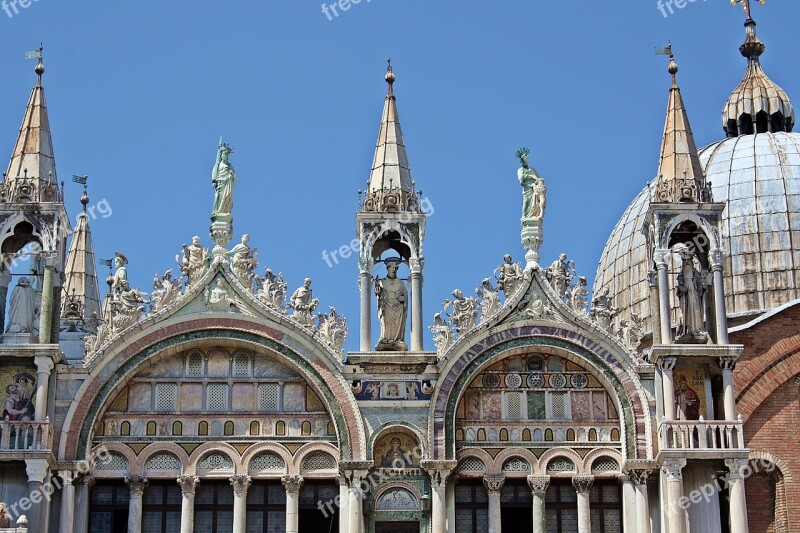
(271, 290)
(223, 177)
(533, 189)
(333, 329)
(194, 260)
(603, 311)
(509, 276)
(560, 274)
(22, 308)
(465, 312)
(218, 298)
(392, 309)
(120, 275)
(303, 304)
(489, 298)
(243, 261)
(690, 289)
(577, 297)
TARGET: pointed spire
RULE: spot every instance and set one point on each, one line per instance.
(680, 174)
(31, 174)
(390, 187)
(757, 105)
(81, 297)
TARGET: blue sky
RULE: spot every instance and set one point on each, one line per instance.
(139, 92)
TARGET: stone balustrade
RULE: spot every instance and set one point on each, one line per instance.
(701, 434)
(25, 436)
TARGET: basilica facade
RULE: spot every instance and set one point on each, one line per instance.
(223, 400)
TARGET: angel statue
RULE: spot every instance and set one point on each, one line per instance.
(223, 177)
(533, 188)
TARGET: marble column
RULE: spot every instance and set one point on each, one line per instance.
(727, 364)
(639, 479)
(344, 507)
(738, 502)
(721, 313)
(450, 497)
(355, 473)
(664, 310)
(82, 493)
(48, 305)
(44, 365)
(538, 485)
(188, 485)
(675, 513)
(365, 286)
(583, 486)
(67, 520)
(628, 503)
(136, 486)
(494, 485)
(667, 365)
(416, 305)
(652, 281)
(292, 484)
(240, 486)
(438, 501)
(37, 470)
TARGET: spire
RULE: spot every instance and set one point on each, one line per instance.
(757, 105)
(31, 174)
(680, 174)
(81, 292)
(390, 187)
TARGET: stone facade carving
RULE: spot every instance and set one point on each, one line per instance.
(582, 484)
(165, 291)
(631, 332)
(243, 261)
(509, 276)
(443, 334)
(194, 262)
(539, 484)
(271, 290)
(303, 304)
(218, 296)
(560, 274)
(465, 312)
(494, 482)
(489, 298)
(292, 484)
(333, 329)
(392, 309)
(240, 484)
(577, 297)
(188, 484)
(137, 483)
(602, 310)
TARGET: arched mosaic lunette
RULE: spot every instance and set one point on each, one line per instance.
(634, 410)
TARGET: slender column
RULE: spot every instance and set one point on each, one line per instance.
(738, 502)
(655, 305)
(354, 473)
(344, 507)
(667, 365)
(676, 514)
(67, 500)
(240, 486)
(37, 470)
(438, 501)
(47, 307)
(5, 280)
(663, 295)
(450, 496)
(728, 364)
(136, 486)
(43, 367)
(365, 285)
(82, 493)
(292, 484)
(494, 484)
(628, 503)
(416, 305)
(538, 485)
(583, 486)
(639, 480)
(188, 485)
(721, 314)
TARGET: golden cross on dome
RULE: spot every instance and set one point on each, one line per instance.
(746, 5)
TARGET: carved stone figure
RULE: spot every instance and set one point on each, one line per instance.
(333, 329)
(5, 519)
(22, 308)
(218, 298)
(602, 310)
(489, 298)
(272, 289)
(303, 304)
(243, 261)
(533, 189)
(465, 312)
(129, 306)
(442, 330)
(690, 288)
(120, 275)
(509, 276)
(392, 309)
(194, 261)
(560, 274)
(223, 177)
(631, 331)
(165, 291)
(577, 297)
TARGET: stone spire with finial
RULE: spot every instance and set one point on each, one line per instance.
(680, 174)
(757, 105)
(390, 187)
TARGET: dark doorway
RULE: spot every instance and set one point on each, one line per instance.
(318, 510)
(516, 511)
(397, 527)
(109, 508)
(517, 518)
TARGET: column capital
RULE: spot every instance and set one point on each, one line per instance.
(67, 476)
(416, 264)
(582, 484)
(494, 482)
(539, 484)
(240, 484)
(717, 259)
(188, 484)
(136, 484)
(727, 363)
(736, 467)
(667, 363)
(86, 479)
(638, 475)
(673, 468)
(37, 469)
(292, 484)
(439, 471)
(44, 364)
(660, 257)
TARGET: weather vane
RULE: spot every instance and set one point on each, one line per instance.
(746, 5)
(82, 180)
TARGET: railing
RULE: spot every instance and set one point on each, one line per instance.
(701, 434)
(25, 436)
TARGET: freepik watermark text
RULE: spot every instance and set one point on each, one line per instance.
(333, 9)
(668, 7)
(12, 7)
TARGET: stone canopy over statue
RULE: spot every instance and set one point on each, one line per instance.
(392, 309)
(223, 177)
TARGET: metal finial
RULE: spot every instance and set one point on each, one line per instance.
(673, 66)
(746, 5)
(390, 75)
(37, 54)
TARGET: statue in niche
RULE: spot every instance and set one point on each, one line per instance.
(243, 261)
(392, 309)
(223, 177)
(195, 258)
(533, 189)
(120, 275)
(489, 298)
(464, 315)
(22, 308)
(509, 276)
(690, 289)
(560, 274)
(303, 304)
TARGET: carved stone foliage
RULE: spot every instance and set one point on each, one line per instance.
(292, 484)
(333, 329)
(271, 290)
(583, 484)
(631, 331)
(494, 482)
(538, 484)
(165, 291)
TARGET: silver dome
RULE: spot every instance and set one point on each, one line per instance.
(758, 176)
